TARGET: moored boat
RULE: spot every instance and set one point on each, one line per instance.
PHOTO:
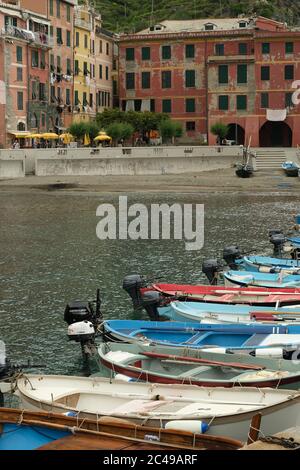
(290, 168)
(266, 264)
(224, 411)
(268, 280)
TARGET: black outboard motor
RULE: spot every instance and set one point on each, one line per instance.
(211, 268)
(274, 232)
(150, 301)
(278, 240)
(78, 311)
(132, 284)
(230, 255)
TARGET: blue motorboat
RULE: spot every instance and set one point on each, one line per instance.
(195, 335)
(258, 279)
(267, 264)
(290, 168)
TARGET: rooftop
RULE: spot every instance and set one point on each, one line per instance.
(180, 26)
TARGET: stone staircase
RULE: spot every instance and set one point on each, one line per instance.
(270, 158)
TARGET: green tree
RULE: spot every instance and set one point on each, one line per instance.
(127, 131)
(92, 129)
(78, 130)
(220, 130)
(170, 129)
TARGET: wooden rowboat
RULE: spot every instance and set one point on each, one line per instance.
(105, 433)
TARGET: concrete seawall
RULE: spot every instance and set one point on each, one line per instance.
(12, 168)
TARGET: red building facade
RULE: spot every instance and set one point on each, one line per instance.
(239, 71)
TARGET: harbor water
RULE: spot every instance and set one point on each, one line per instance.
(50, 254)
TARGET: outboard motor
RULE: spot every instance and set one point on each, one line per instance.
(78, 311)
(150, 301)
(211, 268)
(278, 240)
(230, 255)
(274, 232)
(132, 284)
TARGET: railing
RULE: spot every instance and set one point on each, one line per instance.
(38, 38)
(83, 24)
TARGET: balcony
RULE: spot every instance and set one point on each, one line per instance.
(222, 59)
(37, 38)
(83, 24)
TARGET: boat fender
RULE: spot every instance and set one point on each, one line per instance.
(71, 414)
(269, 352)
(124, 378)
(215, 350)
(196, 427)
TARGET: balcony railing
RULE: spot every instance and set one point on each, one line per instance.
(83, 24)
(37, 38)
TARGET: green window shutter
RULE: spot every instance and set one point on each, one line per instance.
(19, 54)
(51, 7)
(130, 53)
(223, 102)
(20, 101)
(145, 79)
(146, 53)
(190, 78)
(241, 102)
(166, 52)
(289, 47)
(223, 74)
(242, 73)
(220, 49)
(166, 106)
(265, 48)
(265, 72)
(190, 105)
(130, 81)
(264, 100)
(243, 49)
(166, 79)
(189, 51)
(289, 72)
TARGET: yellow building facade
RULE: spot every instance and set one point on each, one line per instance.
(93, 64)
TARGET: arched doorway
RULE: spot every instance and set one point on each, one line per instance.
(21, 126)
(236, 133)
(275, 134)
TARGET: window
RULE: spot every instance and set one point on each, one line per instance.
(289, 47)
(52, 91)
(189, 51)
(100, 71)
(19, 54)
(68, 96)
(20, 100)
(242, 73)
(152, 105)
(146, 53)
(19, 74)
(243, 49)
(106, 72)
(243, 24)
(101, 48)
(42, 92)
(130, 81)
(68, 13)
(84, 99)
(58, 8)
(130, 53)
(52, 67)
(85, 41)
(51, 31)
(43, 119)
(51, 8)
(223, 103)
(265, 48)
(264, 100)
(145, 79)
(77, 39)
(115, 87)
(59, 36)
(190, 126)
(265, 72)
(166, 79)
(58, 63)
(43, 60)
(59, 94)
(34, 58)
(69, 38)
(190, 78)
(34, 90)
(190, 105)
(92, 70)
(289, 100)
(166, 52)
(209, 27)
(69, 70)
(91, 100)
(93, 46)
(166, 106)
(289, 72)
(241, 102)
(223, 74)
(76, 66)
(220, 49)
(76, 100)
(85, 68)
(107, 48)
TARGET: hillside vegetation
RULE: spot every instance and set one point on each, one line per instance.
(134, 15)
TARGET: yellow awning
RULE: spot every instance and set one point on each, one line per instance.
(20, 134)
(49, 136)
(34, 136)
(102, 138)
